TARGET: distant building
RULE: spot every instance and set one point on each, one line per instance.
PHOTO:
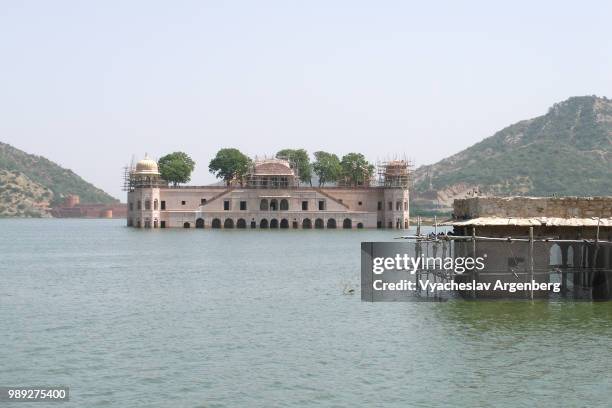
(72, 208)
(271, 197)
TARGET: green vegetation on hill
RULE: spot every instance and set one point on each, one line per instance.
(567, 151)
(29, 183)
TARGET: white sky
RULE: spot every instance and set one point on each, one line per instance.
(88, 84)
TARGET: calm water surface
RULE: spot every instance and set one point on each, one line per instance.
(201, 318)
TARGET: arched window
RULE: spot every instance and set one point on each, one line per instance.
(263, 205)
(284, 205)
(273, 223)
(284, 223)
(200, 223)
(229, 223)
(263, 223)
(306, 224)
(273, 205)
(155, 204)
(347, 223)
(331, 223)
(241, 223)
(319, 223)
(186, 225)
(216, 223)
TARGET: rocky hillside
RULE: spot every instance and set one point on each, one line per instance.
(30, 184)
(567, 151)
(20, 196)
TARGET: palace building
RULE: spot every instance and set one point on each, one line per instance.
(270, 196)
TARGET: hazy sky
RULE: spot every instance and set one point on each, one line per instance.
(87, 84)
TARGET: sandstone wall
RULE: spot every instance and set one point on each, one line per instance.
(562, 207)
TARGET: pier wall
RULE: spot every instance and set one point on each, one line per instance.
(523, 207)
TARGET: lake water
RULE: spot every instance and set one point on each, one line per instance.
(212, 318)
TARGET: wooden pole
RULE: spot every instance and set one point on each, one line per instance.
(593, 263)
(510, 239)
(564, 254)
(474, 257)
(531, 261)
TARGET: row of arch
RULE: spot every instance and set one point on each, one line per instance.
(584, 269)
(307, 223)
(273, 205)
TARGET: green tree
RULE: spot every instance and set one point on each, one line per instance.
(327, 167)
(356, 169)
(229, 164)
(176, 167)
(301, 160)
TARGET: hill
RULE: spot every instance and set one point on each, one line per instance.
(29, 184)
(567, 151)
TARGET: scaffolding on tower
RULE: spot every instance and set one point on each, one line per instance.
(128, 171)
(394, 172)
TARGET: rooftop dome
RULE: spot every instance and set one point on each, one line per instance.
(147, 166)
(273, 167)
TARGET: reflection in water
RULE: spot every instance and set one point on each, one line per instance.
(525, 315)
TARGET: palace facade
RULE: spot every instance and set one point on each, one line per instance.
(269, 197)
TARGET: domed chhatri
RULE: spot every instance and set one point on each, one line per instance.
(147, 166)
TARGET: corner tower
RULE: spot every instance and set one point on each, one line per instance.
(394, 177)
(143, 184)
